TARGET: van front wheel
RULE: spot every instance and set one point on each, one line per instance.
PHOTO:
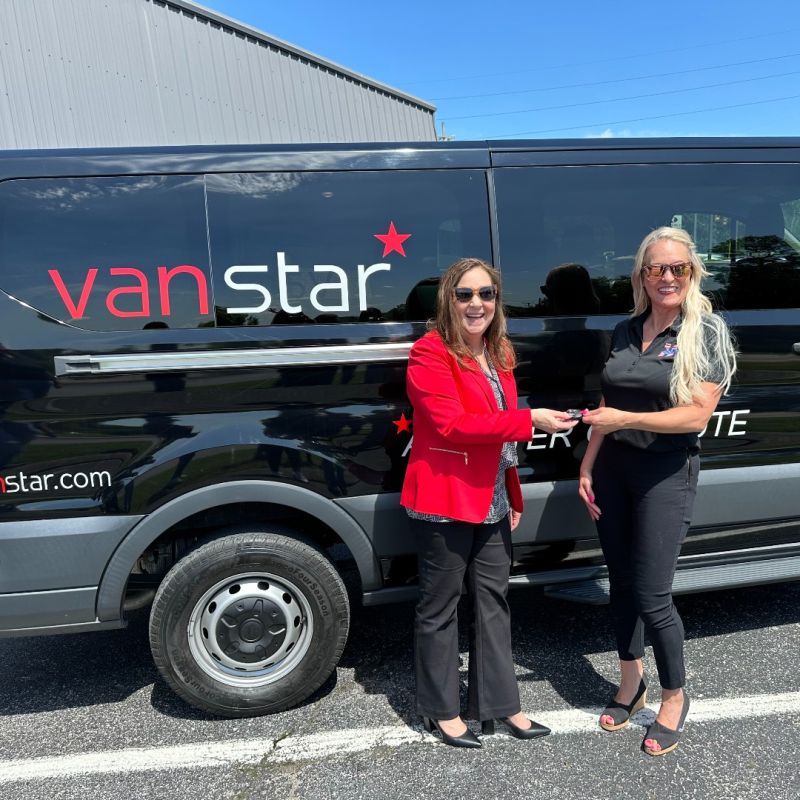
(250, 623)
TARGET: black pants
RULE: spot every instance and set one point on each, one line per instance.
(646, 500)
(448, 551)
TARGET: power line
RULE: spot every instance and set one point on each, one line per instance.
(703, 46)
(642, 119)
(628, 97)
(616, 80)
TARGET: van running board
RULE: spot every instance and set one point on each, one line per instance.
(594, 591)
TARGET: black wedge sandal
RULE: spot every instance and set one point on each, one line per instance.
(621, 713)
(667, 738)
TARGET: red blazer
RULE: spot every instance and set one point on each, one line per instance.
(458, 435)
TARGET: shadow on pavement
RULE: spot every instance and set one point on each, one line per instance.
(552, 640)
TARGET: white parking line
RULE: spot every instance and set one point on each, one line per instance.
(336, 743)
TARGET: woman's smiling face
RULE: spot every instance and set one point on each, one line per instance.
(477, 314)
(667, 293)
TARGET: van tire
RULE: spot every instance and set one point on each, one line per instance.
(250, 623)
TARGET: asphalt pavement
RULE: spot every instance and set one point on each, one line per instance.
(87, 716)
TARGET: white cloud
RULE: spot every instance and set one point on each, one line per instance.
(649, 133)
(608, 134)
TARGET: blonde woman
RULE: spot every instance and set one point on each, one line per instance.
(669, 364)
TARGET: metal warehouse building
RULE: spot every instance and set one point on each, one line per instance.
(107, 73)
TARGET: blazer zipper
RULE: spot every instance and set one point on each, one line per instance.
(454, 452)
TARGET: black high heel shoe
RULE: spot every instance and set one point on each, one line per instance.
(466, 739)
(621, 713)
(667, 738)
(533, 732)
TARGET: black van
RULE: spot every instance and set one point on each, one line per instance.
(202, 377)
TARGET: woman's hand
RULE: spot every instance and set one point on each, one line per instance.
(586, 493)
(552, 421)
(607, 420)
(514, 517)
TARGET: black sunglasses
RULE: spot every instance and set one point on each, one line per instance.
(486, 293)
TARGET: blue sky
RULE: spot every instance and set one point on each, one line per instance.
(564, 69)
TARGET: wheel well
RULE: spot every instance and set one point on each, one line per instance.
(188, 534)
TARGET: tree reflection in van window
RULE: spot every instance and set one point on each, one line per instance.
(764, 274)
(745, 219)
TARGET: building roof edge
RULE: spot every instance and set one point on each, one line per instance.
(249, 30)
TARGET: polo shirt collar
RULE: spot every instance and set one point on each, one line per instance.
(673, 329)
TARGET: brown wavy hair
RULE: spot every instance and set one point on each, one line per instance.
(448, 323)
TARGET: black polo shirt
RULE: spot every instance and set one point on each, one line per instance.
(638, 381)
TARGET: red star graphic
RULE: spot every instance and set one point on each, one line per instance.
(403, 424)
(392, 240)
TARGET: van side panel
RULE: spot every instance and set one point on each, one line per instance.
(33, 612)
(67, 552)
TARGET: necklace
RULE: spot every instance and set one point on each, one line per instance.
(479, 353)
(649, 323)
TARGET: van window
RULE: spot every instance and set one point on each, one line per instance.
(107, 253)
(340, 247)
(791, 217)
(568, 235)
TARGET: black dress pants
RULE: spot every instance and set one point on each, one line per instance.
(646, 500)
(447, 552)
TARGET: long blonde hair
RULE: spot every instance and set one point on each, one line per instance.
(448, 323)
(705, 345)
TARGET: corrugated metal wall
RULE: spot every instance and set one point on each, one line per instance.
(97, 73)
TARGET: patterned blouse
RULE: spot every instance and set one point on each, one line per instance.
(508, 458)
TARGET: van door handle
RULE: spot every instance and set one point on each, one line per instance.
(796, 348)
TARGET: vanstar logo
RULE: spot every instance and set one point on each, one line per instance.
(329, 295)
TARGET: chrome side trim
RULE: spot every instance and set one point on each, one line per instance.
(689, 580)
(590, 584)
(228, 359)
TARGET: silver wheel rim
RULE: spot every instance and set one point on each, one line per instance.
(250, 629)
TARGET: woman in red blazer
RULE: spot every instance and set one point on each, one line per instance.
(463, 497)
